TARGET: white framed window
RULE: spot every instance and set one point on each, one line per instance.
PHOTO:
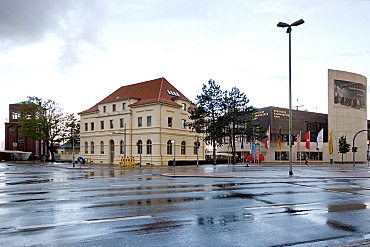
(149, 121)
(183, 123)
(169, 121)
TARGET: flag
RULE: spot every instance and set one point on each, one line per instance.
(320, 139)
(253, 148)
(279, 140)
(242, 145)
(336, 142)
(299, 141)
(330, 142)
(267, 140)
(308, 136)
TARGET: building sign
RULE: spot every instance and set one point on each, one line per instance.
(259, 114)
(350, 94)
(170, 92)
(279, 114)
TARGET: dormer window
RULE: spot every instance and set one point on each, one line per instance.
(173, 93)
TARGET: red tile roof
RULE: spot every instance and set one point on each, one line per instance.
(157, 90)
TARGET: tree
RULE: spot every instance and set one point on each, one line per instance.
(344, 147)
(204, 117)
(44, 121)
(237, 118)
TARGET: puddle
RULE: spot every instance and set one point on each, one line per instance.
(149, 202)
(29, 200)
(30, 193)
(158, 226)
(223, 220)
(170, 200)
(341, 226)
(349, 207)
(292, 211)
(31, 181)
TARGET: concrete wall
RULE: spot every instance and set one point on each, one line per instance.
(347, 113)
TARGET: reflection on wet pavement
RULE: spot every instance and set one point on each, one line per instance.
(62, 204)
(340, 226)
(349, 207)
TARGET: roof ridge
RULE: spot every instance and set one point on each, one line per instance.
(160, 89)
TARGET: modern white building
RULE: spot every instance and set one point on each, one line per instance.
(146, 121)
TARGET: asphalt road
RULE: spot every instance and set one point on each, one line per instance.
(260, 205)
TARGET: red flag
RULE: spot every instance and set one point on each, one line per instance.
(267, 140)
(299, 141)
(308, 136)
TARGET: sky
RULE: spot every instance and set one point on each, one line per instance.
(76, 52)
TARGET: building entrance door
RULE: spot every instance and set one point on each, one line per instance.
(111, 151)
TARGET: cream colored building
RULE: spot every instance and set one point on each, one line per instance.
(146, 121)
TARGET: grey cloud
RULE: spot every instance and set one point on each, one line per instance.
(76, 22)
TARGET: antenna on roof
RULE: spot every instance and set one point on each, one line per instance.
(298, 105)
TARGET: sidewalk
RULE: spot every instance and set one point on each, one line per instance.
(272, 171)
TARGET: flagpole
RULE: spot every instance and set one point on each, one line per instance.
(300, 150)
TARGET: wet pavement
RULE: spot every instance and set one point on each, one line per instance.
(44, 204)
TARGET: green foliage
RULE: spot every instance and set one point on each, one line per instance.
(44, 121)
(237, 117)
(344, 147)
(204, 117)
(222, 114)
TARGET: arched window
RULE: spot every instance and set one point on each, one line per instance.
(122, 147)
(169, 147)
(102, 147)
(92, 147)
(183, 147)
(139, 147)
(148, 147)
(86, 148)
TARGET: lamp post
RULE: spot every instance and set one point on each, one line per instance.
(174, 156)
(139, 145)
(197, 150)
(289, 30)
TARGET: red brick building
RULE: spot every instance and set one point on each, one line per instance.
(14, 140)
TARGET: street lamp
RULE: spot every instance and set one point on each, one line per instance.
(197, 150)
(289, 30)
(140, 147)
(174, 156)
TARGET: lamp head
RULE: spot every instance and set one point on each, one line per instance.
(282, 24)
(297, 23)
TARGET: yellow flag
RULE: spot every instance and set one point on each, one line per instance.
(279, 140)
(330, 142)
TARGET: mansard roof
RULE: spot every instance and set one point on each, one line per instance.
(153, 91)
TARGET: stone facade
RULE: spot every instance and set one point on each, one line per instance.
(140, 120)
(347, 113)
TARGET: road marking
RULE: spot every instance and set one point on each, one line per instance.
(34, 227)
(284, 205)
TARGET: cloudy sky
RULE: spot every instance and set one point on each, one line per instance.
(76, 52)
